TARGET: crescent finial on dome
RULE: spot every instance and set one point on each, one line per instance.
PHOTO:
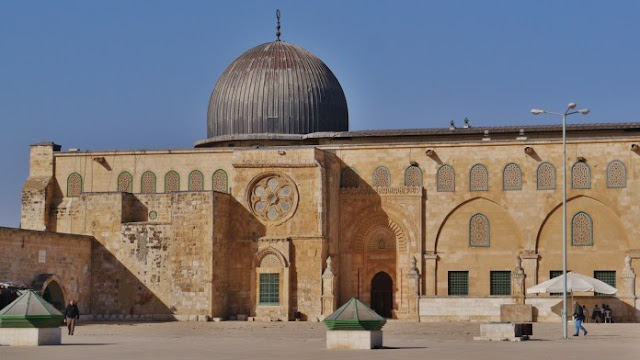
(278, 26)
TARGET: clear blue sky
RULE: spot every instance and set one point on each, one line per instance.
(104, 75)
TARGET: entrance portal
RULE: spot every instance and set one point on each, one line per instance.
(382, 294)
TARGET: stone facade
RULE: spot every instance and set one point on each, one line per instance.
(395, 230)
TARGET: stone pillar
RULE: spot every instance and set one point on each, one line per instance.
(430, 262)
(530, 268)
(328, 290)
(517, 282)
(413, 289)
(37, 190)
(627, 292)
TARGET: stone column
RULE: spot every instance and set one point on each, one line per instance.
(627, 292)
(328, 290)
(517, 282)
(413, 289)
(430, 261)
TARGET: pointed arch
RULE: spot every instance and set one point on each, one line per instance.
(125, 182)
(381, 177)
(196, 181)
(446, 179)
(74, 185)
(413, 176)
(148, 182)
(512, 177)
(478, 178)
(580, 175)
(546, 176)
(220, 181)
(171, 181)
(616, 174)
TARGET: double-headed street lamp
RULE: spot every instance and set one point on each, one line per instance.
(567, 112)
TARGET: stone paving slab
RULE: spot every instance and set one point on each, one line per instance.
(304, 340)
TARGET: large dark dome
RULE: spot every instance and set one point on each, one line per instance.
(278, 88)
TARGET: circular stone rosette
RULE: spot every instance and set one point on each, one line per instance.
(273, 198)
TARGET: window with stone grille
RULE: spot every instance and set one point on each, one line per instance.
(74, 185)
(148, 183)
(171, 181)
(546, 177)
(500, 283)
(196, 181)
(616, 174)
(269, 289)
(581, 229)
(125, 182)
(606, 276)
(479, 230)
(512, 177)
(458, 283)
(478, 178)
(446, 178)
(580, 176)
(381, 177)
(413, 176)
(349, 178)
(220, 181)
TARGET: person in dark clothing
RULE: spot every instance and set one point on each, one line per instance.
(71, 313)
(578, 315)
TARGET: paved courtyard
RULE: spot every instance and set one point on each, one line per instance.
(304, 340)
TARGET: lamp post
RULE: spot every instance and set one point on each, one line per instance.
(567, 112)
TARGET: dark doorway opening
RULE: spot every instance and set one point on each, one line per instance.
(53, 294)
(382, 294)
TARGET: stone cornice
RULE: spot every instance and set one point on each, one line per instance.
(382, 190)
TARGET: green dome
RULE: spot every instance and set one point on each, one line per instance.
(30, 311)
(354, 315)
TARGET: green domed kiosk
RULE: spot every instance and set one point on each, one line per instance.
(30, 320)
(354, 326)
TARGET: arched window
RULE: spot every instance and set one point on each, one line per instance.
(616, 174)
(74, 185)
(479, 230)
(148, 183)
(478, 178)
(125, 182)
(381, 177)
(196, 181)
(446, 178)
(512, 177)
(413, 176)
(171, 181)
(220, 181)
(349, 178)
(546, 176)
(580, 176)
(581, 229)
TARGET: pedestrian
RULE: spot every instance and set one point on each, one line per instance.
(585, 312)
(578, 315)
(71, 313)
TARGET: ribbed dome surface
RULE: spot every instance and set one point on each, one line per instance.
(280, 88)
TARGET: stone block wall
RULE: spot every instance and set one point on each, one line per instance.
(27, 253)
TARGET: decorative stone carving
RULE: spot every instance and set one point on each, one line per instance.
(273, 197)
(403, 190)
(517, 282)
(328, 289)
(629, 277)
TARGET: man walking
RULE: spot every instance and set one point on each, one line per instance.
(578, 315)
(71, 313)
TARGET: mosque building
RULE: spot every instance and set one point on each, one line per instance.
(283, 213)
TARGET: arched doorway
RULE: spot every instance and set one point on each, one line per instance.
(53, 294)
(382, 294)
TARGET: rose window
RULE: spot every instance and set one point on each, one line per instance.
(273, 198)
